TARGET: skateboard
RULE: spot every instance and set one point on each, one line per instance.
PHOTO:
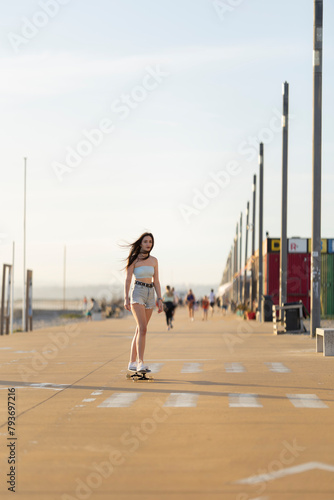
(136, 376)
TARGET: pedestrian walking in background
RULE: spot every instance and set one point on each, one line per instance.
(141, 301)
(176, 302)
(205, 307)
(168, 301)
(93, 307)
(212, 300)
(225, 303)
(190, 301)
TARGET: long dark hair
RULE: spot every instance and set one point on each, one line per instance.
(135, 249)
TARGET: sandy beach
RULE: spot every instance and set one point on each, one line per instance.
(44, 318)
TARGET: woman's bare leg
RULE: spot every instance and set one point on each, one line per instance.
(142, 317)
(133, 351)
(148, 313)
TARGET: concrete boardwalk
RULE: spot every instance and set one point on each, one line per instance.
(234, 412)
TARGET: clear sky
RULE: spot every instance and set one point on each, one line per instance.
(143, 115)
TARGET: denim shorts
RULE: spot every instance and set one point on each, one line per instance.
(143, 295)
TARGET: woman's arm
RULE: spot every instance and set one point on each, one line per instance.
(157, 285)
(127, 284)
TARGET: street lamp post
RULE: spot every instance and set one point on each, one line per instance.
(246, 251)
(253, 291)
(236, 263)
(24, 247)
(64, 280)
(260, 277)
(240, 260)
(284, 207)
(316, 198)
(12, 291)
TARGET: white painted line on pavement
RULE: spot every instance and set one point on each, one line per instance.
(96, 393)
(260, 478)
(48, 385)
(192, 368)
(244, 401)
(234, 368)
(182, 400)
(302, 350)
(23, 352)
(306, 401)
(155, 367)
(53, 387)
(180, 359)
(120, 400)
(88, 400)
(278, 368)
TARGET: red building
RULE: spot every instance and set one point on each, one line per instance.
(298, 273)
(299, 270)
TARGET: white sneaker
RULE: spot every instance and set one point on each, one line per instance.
(132, 366)
(142, 368)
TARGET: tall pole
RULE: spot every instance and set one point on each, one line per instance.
(253, 291)
(284, 207)
(64, 286)
(236, 262)
(228, 268)
(24, 247)
(246, 252)
(231, 267)
(232, 264)
(240, 259)
(260, 280)
(228, 274)
(12, 292)
(316, 198)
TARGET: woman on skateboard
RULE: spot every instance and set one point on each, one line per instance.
(144, 267)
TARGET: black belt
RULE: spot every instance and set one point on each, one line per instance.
(149, 285)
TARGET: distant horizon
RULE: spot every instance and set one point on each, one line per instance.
(97, 291)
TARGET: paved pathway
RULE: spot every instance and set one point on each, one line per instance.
(234, 412)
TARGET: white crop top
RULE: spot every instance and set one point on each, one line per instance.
(143, 271)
